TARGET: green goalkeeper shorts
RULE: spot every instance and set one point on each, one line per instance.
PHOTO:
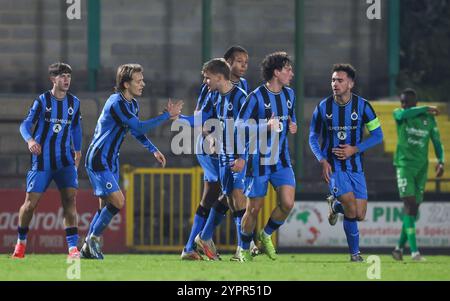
(411, 182)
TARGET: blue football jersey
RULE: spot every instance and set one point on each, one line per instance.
(341, 124)
(206, 102)
(58, 127)
(226, 110)
(259, 107)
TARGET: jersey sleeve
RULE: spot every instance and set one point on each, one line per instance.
(401, 114)
(292, 113)
(315, 129)
(373, 125)
(122, 115)
(32, 117)
(205, 112)
(77, 134)
(370, 119)
(145, 141)
(436, 140)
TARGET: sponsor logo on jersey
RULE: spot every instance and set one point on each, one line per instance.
(342, 135)
(57, 128)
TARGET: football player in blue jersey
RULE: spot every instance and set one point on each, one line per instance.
(268, 113)
(224, 108)
(213, 206)
(55, 147)
(340, 120)
(119, 115)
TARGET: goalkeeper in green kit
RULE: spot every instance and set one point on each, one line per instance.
(415, 126)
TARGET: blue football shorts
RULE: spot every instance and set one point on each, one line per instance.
(65, 177)
(342, 182)
(257, 186)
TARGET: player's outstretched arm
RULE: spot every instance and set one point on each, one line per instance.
(135, 124)
(121, 113)
(174, 108)
(200, 116)
(401, 114)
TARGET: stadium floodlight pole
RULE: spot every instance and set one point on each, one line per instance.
(206, 30)
(299, 88)
(93, 43)
(394, 44)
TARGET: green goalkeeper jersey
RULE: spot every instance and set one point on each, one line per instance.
(415, 127)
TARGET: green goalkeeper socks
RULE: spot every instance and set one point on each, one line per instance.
(409, 223)
(403, 238)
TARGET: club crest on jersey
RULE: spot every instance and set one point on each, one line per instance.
(230, 106)
(329, 116)
(335, 189)
(70, 111)
(289, 104)
(342, 135)
(57, 128)
(108, 185)
(354, 116)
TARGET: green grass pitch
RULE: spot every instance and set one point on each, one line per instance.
(169, 267)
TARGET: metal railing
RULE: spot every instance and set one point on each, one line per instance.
(161, 204)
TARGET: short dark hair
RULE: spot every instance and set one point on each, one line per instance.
(217, 66)
(125, 74)
(59, 68)
(410, 93)
(272, 62)
(347, 68)
(231, 52)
